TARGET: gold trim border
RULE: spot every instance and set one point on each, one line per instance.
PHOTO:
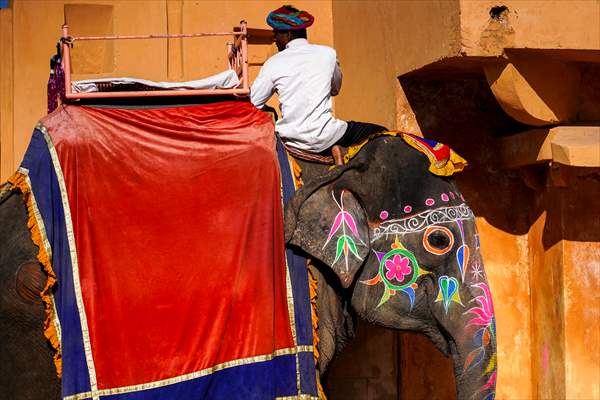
(42, 228)
(190, 376)
(35, 224)
(87, 347)
(288, 281)
(95, 393)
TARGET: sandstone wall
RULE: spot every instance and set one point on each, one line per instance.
(419, 66)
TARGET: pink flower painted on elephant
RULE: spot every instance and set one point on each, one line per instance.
(482, 318)
(484, 314)
(397, 268)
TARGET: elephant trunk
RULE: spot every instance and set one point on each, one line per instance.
(472, 339)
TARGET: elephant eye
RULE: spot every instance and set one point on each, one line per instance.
(438, 240)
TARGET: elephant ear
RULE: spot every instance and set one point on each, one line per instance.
(332, 227)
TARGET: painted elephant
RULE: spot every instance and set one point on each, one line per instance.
(405, 248)
(400, 242)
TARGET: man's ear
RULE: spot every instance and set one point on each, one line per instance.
(333, 227)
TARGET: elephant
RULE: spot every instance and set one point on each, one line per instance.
(25, 352)
(398, 242)
(405, 249)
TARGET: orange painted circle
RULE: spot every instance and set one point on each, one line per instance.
(432, 229)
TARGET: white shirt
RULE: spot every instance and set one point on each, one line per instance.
(305, 76)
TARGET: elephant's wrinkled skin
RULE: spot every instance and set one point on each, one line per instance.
(26, 367)
(373, 190)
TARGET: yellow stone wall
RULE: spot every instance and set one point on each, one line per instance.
(541, 248)
(30, 28)
(549, 24)
(536, 243)
(378, 41)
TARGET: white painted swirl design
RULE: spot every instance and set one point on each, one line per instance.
(421, 221)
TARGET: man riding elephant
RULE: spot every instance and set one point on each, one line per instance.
(305, 76)
(388, 229)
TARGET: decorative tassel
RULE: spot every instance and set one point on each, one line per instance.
(52, 100)
(56, 87)
(56, 81)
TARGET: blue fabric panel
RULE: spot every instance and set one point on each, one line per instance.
(300, 289)
(430, 142)
(308, 373)
(286, 174)
(260, 381)
(4, 3)
(302, 307)
(296, 263)
(47, 194)
(264, 380)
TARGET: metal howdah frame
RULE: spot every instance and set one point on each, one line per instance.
(237, 60)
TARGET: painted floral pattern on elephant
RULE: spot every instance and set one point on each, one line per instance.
(397, 268)
(444, 232)
(484, 325)
(462, 254)
(345, 243)
(448, 291)
(477, 273)
(421, 221)
(399, 271)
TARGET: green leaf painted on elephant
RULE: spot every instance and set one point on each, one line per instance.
(492, 328)
(448, 291)
(352, 247)
(386, 296)
(344, 245)
(339, 248)
(491, 365)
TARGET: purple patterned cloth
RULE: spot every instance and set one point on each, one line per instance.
(56, 87)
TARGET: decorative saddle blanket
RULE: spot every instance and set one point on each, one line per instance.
(443, 160)
(163, 229)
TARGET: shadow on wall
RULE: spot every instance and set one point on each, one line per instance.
(573, 206)
(461, 111)
(384, 364)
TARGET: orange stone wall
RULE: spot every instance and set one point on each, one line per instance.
(540, 245)
(540, 230)
(29, 30)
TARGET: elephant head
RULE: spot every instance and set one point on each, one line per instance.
(405, 244)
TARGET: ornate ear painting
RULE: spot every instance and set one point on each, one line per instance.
(346, 242)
